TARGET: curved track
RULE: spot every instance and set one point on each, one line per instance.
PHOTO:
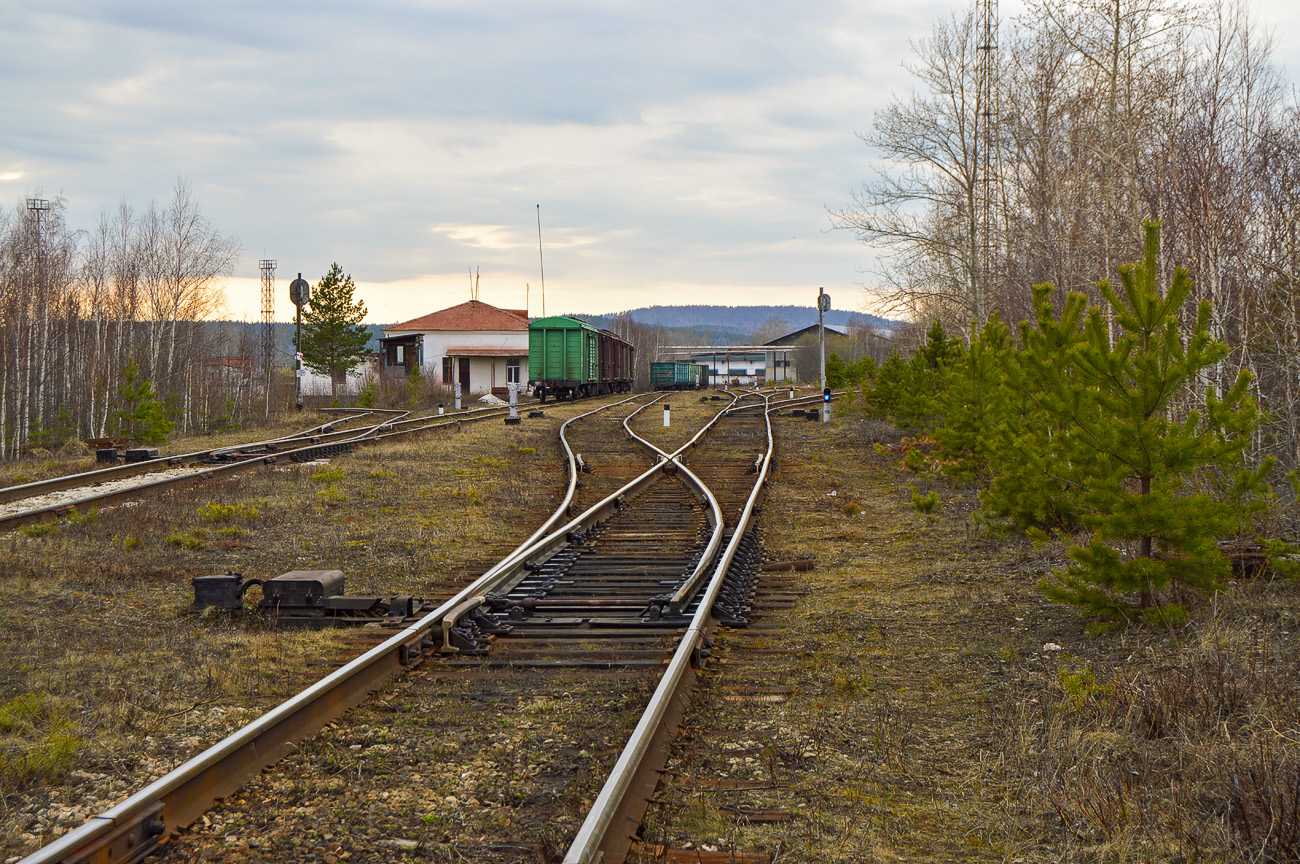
(628, 584)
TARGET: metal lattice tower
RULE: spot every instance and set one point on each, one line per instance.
(986, 146)
(267, 266)
(38, 207)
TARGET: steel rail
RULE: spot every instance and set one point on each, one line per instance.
(788, 403)
(690, 585)
(498, 579)
(162, 463)
(681, 597)
(128, 831)
(100, 475)
(132, 828)
(595, 840)
(23, 517)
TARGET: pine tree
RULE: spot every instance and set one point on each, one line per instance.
(885, 394)
(974, 403)
(333, 338)
(141, 417)
(926, 378)
(1134, 461)
(836, 372)
(1030, 487)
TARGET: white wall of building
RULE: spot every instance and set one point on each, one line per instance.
(484, 372)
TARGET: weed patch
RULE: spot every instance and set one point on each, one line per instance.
(226, 512)
(38, 740)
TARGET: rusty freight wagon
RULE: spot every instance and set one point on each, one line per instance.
(678, 376)
(569, 358)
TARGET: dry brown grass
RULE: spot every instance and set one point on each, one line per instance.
(907, 710)
(95, 613)
(922, 717)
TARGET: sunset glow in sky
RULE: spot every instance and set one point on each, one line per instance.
(680, 152)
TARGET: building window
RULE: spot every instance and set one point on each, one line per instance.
(512, 370)
(446, 371)
(399, 355)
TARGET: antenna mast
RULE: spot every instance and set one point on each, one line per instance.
(540, 265)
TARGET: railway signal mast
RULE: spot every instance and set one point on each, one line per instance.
(823, 306)
(300, 294)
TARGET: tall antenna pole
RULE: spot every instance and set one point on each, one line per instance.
(267, 266)
(38, 207)
(540, 265)
(986, 142)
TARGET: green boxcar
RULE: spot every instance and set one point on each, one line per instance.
(563, 358)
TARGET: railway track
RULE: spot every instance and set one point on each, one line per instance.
(620, 591)
(31, 502)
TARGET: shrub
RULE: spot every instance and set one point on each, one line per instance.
(37, 740)
(226, 512)
(925, 504)
(185, 541)
(327, 476)
(331, 494)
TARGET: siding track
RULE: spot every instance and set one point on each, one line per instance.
(595, 610)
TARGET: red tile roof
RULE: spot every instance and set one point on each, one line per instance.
(474, 315)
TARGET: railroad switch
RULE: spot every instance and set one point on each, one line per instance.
(224, 591)
(311, 599)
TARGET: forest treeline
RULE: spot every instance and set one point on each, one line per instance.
(102, 328)
(1094, 117)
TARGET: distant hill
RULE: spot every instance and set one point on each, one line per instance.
(235, 337)
(737, 321)
(686, 325)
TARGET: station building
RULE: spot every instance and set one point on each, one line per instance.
(483, 347)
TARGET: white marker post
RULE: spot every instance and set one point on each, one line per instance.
(667, 421)
(440, 409)
(457, 390)
(513, 419)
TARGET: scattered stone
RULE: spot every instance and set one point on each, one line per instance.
(1051, 648)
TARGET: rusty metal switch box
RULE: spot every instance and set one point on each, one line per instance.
(219, 592)
(302, 588)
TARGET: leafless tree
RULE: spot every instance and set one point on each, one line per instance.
(76, 308)
(1109, 112)
(923, 208)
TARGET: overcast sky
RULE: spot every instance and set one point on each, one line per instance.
(681, 152)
